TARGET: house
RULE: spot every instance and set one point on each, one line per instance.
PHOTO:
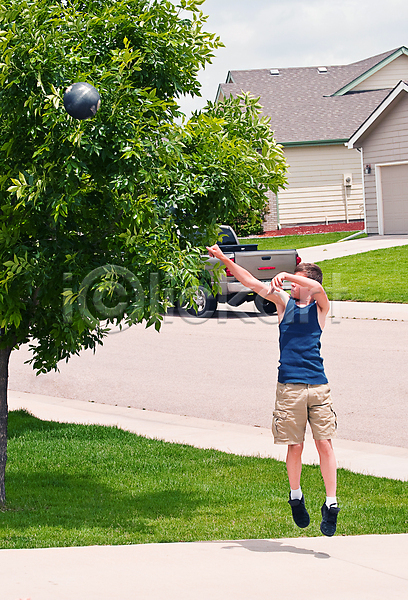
(315, 112)
(383, 143)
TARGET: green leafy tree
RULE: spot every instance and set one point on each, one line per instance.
(240, 159)
(96, 216)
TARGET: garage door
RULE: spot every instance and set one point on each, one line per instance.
(394, 180)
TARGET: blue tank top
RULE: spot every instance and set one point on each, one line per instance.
(299, 342)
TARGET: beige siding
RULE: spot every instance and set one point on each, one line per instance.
(387, 77)
(316, 191)
(386, 143)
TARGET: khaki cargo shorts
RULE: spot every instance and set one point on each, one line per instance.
(298, 403)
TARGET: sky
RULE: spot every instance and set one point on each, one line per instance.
(264, 34)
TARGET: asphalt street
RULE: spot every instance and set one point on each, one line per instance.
(225, 369)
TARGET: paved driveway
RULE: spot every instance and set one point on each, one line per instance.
(225, 369)
(354, 246)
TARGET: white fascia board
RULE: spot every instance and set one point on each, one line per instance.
(386, 61)
(399, 88)
(218, 95)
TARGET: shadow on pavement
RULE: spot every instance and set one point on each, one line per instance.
(274, 546)
(221, 315)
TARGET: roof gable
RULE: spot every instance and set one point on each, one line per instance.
(370, 72)
(399, 89)
(301, 101)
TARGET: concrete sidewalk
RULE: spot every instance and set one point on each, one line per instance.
(349, 247)
(339, 568)
(384, 311)
(356, 568)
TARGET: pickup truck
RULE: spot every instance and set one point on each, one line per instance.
(262, 264)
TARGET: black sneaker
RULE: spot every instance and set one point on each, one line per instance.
(329, 519)
(299, 512)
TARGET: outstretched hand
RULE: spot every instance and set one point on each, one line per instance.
(215, 251)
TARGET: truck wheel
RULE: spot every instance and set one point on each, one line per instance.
(206, 304)
(266, 307)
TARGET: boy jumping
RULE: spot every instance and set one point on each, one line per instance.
(302, 393)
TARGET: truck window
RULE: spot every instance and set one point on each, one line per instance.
(228, 236)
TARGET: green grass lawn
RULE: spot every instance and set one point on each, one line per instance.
(375, 276)
(73, 485)
(298, 241)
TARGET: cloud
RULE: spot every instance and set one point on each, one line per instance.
(286, 33)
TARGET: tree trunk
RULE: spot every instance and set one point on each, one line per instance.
(4, 362)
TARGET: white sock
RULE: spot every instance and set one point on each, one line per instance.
(331, 500)
(296, 494)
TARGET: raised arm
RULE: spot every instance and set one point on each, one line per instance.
(239, 272)
(314, 289)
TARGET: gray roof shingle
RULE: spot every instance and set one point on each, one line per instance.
(300, 101)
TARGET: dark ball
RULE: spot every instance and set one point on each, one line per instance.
(81, 100)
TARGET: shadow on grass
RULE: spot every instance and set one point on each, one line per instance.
(75, 497)
(21, 422)
(80, 501)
